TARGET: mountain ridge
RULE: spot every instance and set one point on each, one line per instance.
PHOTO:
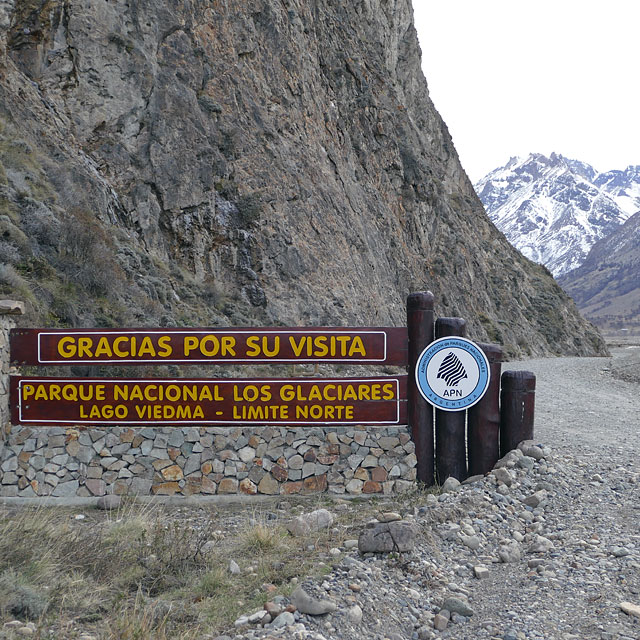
(554, 209)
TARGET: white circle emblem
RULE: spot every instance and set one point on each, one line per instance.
(452, 374)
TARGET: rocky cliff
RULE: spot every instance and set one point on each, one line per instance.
(245, 162)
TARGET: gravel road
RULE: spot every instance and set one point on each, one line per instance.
(586, 404)
(556, 541)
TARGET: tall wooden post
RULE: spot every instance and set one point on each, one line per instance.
(451, 453)
(420, 330)
(483, 419)
(517, 402)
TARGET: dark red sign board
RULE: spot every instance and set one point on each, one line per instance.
(139, 402)
(382, 346)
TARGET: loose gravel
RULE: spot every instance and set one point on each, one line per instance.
(545, 548)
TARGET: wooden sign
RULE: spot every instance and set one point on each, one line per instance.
(109, 401)
(382, 346)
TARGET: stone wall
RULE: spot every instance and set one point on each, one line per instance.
(87, 462)
(9, 309)
(206, 460)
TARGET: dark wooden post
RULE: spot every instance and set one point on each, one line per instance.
(517, 402)
(483, 420)
(420, 330)
(451, 453)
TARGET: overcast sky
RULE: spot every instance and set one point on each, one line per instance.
(510, 77)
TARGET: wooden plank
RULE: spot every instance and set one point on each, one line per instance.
(352, 345)
(180, 402)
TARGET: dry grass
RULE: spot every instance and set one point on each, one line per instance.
(145, 572)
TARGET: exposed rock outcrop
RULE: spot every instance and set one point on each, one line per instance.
(252, 162)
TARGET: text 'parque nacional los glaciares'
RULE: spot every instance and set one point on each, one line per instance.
(70, 401)
(176, 346)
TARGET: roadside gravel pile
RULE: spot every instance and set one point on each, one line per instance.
(497, 557)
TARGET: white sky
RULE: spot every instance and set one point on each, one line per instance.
(511, 77)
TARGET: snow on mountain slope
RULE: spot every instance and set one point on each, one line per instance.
(555, 209)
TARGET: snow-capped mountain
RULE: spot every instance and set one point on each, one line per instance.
(555, 209)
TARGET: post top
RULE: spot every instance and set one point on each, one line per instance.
(420, 300)
(519, 380)
(491, 350)
(11, 307)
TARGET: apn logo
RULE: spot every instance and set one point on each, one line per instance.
(451, 370)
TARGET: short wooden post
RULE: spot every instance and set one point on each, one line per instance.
(420, 330)
(451, 454)
(517, 402)
(483, 420)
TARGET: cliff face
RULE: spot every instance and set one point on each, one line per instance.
(245, 162)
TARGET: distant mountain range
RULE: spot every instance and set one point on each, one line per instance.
(555, 209)
(606, 287)
(584, 226)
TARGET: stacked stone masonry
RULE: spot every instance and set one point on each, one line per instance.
(206, 460)
(87, 462)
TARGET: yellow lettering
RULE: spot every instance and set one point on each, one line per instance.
(190, 343)
(84, 347)
(103, 348)
(297, 346)
(136, 393)
(314, 393)
(69, 392)
(164, 342)
(197, 412)
(228, 344)
(265, 393)
(27, 390)
(253, 346)
(287, 392)
(64, 350)
(213, 350)
(147, 348)
(168, 412)
(357, 347)
(205, 394)
(41, 393)
(276, 346)
(349, 393)
(149, 393)
(116, 347)
(389, 391)
(121, 392)
(189, 393)
(321, 347)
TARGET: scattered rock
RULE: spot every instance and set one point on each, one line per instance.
(314, 521)
(630, 609)
(441, 620)
(450, 484)
(454, 604)
(387, 537)
(509, 552)
(285, 619)
(310, 605)
(355, 614)
(535, 499)
(389, 516)
(481, 572)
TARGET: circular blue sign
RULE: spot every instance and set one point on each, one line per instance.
(452, 374)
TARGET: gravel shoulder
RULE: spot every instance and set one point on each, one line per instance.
(562, 569)
(545, 548)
